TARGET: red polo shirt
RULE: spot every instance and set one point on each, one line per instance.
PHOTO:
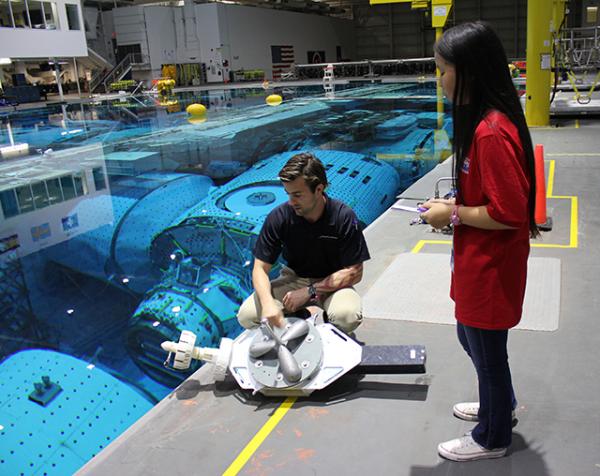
(490, 266)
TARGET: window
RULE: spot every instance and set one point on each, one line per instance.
(68, 187)
(25, 198)
(40, 195)
(99, 181)
(80, 184)
(5, 14)
(8, 199)
(20, 13)
(43, 14)
(54, 191)
(73, 16)
(188, 274)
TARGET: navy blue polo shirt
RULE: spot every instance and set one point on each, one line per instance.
(313, 250)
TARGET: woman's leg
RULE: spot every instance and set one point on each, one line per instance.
(487, 349)
(462, 338)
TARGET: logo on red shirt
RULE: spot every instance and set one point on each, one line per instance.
(465, 166)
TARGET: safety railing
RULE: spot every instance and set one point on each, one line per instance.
(579, 48)
(130, 61)
(366, 68)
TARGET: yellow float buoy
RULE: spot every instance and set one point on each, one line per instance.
(274, 100)
(197, 119)
(196, 109)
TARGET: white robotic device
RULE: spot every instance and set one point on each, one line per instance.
(294, 360)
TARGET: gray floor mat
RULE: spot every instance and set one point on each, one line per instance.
(415, 287)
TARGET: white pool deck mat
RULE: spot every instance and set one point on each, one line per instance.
(415, 287)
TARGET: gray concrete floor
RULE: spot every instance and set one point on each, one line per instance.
(384, 425)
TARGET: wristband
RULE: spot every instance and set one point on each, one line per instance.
(312, 292)
(454, 218)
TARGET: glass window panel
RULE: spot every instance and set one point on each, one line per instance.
(40, 195)
(51, 14)
(36, 14)
(99, 181)
(43, 14)
(68, 187)
(80, 184)
(25, 198)
(73, 17)
(20, 17)
(5, 17)
(54, 191)
(8, 199)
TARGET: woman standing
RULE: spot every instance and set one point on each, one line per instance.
(493, 218)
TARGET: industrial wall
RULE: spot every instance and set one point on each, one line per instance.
(396, 31)
(130, 27)
(229, 37)
(248, 34)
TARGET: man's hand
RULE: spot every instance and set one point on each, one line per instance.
(273, 314)
(294, 300)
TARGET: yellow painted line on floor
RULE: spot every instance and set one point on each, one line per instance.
(576, 123)
(573, 229)
(419, 246)
(574, 154)
(258, 439)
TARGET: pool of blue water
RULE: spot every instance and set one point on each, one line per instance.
(88, 190)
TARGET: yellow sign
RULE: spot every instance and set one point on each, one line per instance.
(441, 10)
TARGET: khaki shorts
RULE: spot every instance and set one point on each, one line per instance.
(343, 307)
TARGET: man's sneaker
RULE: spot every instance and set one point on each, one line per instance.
(466, 449)
(468, 411)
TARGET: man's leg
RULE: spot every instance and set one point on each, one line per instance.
(250, 310)
(344, 309)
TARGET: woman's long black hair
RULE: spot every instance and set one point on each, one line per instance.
(483, 83)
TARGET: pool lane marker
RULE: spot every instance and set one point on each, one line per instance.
(263, 433)
(573, 232)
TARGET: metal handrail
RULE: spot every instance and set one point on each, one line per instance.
(96, 80)
(118, 71)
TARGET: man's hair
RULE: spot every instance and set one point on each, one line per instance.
(307, 166)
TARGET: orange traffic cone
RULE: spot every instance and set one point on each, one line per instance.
(543, 222)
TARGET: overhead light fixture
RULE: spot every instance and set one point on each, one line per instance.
(5, 61)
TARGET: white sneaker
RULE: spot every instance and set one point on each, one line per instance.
(469, 411)
(466, 449)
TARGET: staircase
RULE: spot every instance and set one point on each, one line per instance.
(129, 62)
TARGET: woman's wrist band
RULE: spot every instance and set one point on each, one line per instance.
(454, 218)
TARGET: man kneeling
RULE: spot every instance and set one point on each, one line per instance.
(323, 246)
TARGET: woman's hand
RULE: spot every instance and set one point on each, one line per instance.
(438, 212)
